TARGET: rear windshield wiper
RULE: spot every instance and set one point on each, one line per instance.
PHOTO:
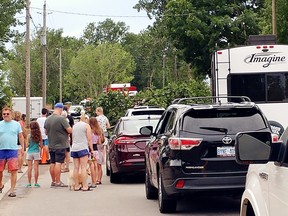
(224, 130)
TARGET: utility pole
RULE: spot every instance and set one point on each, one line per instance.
(274, 21)
(60, 75)
(163, 67)
(43, 43)
(27, 63)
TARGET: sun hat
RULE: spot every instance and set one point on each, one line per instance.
(59, 105)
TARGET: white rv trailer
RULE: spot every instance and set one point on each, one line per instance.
(257, 71)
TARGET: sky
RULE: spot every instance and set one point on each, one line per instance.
(74, 15)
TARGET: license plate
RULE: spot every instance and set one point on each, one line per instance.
(227, 151)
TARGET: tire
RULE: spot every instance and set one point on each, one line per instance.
(250, 211)
(151, 191)
(107, 170)
(114, 177)
(166, 204)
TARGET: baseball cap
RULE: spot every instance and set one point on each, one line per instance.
(59, 105)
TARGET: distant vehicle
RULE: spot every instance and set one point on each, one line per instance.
(259, 72)
(266, 191)
(125, 151)
(126, 88)
(144, 110)
(192, 149)
(75, 111)
(36, 105)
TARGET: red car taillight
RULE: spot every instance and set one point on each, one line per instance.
(124, 140)
(183, 143)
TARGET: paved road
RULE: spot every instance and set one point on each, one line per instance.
(127, 198)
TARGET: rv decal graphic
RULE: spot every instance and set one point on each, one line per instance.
(267, 58)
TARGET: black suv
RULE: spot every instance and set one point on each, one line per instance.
(192, 148)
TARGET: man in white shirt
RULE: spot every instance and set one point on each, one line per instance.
(41, 121)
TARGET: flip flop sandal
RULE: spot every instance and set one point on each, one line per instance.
(1, 188)
(12, 194)
(77, 189)
(88, 189)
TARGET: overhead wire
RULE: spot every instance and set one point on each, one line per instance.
(92, 15)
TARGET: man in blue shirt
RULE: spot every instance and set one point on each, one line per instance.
(10, 132)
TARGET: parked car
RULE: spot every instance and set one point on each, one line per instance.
(125, 152)
(266, 191)
(145, 110)
(192, 149)
(75, 111)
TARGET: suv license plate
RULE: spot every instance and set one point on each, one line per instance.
(227, 151)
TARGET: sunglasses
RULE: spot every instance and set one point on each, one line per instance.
(6, 114)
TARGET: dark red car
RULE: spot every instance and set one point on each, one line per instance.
(125, 150)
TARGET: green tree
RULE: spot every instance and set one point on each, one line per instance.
(5, 92)
(281, 18)
(104, 32)
(195, 27)
(8, 10)
(16, 73)
(96, 67)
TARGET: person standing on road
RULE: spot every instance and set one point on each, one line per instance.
(34, 144)
(81, 149)
(41, 121)
(10, 132)
(97, 143)
(65, 165)
(57, 128)
(104, 124)
(18, 118)
(102, 120)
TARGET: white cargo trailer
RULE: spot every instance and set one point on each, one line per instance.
(36, 105)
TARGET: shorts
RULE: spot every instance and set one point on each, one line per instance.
(68, 149)
(33, 156)
(57, 155)
(79, 154)
(45, 142)
(10, 156)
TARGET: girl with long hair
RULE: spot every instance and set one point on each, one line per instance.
(34, 144)
(97, 159)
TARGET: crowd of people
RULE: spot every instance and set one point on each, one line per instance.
(56, 138)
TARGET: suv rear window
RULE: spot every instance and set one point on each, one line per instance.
(234, 120)
(147, 112)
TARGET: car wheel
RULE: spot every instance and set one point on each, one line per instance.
(166, 204)
(250, 211)
(114, 177)
(107, 170)
(151, 191)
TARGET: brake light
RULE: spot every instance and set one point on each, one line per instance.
(275, 138)
(124, 140)
(183, 143)
(180, 183)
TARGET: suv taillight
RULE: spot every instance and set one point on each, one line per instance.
(183, 143)
(275, 138)
(124, 140)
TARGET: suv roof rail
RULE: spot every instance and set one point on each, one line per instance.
(207, 99)
(145, 107)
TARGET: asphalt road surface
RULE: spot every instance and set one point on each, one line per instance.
(125, 199)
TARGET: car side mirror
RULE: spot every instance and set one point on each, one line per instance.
(146, 130)
(253, 147)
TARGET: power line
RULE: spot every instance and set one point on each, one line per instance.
(92, 15)
(33, 22)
